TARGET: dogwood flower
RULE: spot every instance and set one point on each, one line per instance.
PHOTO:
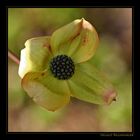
(54, 68)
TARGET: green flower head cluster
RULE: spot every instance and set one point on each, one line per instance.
(54, 68)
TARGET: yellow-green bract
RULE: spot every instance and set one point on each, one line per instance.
(77, 40)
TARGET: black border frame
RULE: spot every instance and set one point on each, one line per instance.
(99, 5)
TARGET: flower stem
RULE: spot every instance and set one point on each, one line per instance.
(13, 57)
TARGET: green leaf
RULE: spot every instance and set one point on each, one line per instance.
(88, 84)
(35, 56)
(45, 90)
(79, 38)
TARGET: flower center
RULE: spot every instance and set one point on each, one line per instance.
(62, 67)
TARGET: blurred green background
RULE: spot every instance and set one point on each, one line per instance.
(113, 57)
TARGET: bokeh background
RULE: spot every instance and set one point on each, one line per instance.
(113, 57)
